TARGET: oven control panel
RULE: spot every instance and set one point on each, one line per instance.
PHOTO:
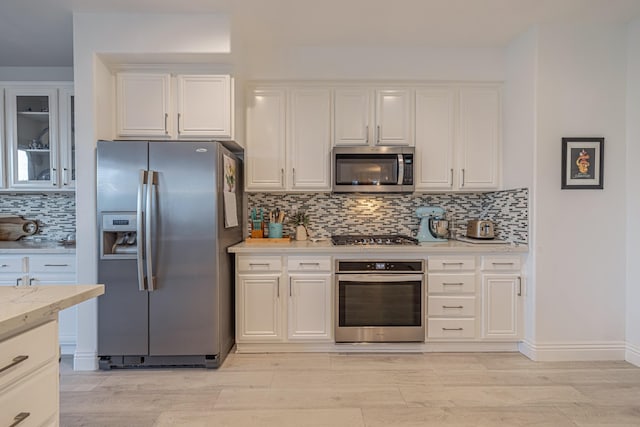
(380, 266)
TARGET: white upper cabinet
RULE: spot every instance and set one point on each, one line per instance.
(359, 121)
(142, 105)
(435, 137)
(265, 145)
(205, 105)
(351, 116)
(309, 146)
(457, 138)
(479, 138)
(393, 113)
(200, 106)
(39, 132)
(288, 143)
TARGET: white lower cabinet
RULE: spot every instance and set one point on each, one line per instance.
(309, 314)
(451, 297)
(502, 298)
(259, 313)
(43, 270)
(278, 301)
(29, 378)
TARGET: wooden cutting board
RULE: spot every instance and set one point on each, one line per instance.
(14, 227)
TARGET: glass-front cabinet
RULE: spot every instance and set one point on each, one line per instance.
(40, 137)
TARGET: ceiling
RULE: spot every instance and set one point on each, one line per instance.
(40, 33)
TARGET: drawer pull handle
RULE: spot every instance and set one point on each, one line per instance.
(20, 418)
(310, 263)
(452, 263)
(4, 265)
(502, 263)
(453, 306)
(31, 281)
(56, 265)
(453, 284)
(16, 361)
(453, 329)
(255, 264)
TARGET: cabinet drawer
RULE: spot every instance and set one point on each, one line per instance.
(35, 398)
(27, 351)
(453, 283)
(451, 263)
(299, 263)
(451, 328)
(451, 306)
(52, 264)
(12, 265)
(500, 263)
(264, 263)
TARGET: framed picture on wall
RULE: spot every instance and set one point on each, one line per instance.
(582, 163)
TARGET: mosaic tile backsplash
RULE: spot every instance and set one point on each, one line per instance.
(54, 212)
(395, 214)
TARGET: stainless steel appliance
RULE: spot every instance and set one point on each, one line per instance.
(373, 169)
(480, 229)
(379, 301)
(433, 225)
(375, 239)
(168, 279)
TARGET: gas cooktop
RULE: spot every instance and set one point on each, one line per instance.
(375, 239)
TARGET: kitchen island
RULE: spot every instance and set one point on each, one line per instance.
(29, 352)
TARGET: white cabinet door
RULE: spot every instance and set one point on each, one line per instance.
(352, 116)
(265, 162)
(502, 303)
(434, 139)
(142, 104)
(479, 138)
(204, 105)
(393, 117)
(258, 308)
(67, 152)
(310, 307)
(310, 139)
(32, 136)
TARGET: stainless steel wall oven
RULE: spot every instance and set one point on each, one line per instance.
(379, 301)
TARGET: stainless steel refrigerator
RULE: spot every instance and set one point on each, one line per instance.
(166, 212)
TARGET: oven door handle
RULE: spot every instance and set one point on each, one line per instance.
(380, 277)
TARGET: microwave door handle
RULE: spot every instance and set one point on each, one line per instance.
(139, 233)
(400, 169)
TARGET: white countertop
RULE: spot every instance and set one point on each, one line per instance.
(325, 246)
(22, 307)
(30, 246)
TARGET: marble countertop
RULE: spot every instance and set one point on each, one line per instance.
(325, 246)
(30, 246)
(23, 307)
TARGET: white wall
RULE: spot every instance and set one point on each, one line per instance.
(580, 234)
(375, 63)
(96, 34)
(633, 200)
(50, 74)
(518, 143)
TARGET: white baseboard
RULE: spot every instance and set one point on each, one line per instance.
(332, 347)
(67, 344)
(578, 351)
(85, 361)
(632, 354)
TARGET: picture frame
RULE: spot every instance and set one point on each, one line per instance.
(582, 163)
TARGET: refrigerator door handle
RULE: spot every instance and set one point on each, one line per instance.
(149, 256)
(139, 239)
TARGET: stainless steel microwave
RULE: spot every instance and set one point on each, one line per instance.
(379, 169)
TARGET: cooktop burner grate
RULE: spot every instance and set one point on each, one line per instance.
(375, 239)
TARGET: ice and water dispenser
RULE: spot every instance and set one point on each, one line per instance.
(118, 237)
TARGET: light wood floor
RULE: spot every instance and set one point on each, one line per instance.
(296, 390)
